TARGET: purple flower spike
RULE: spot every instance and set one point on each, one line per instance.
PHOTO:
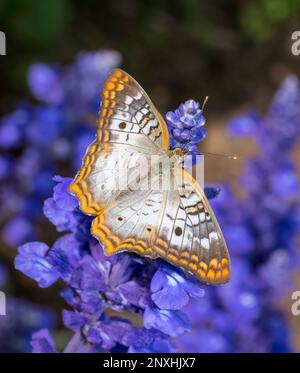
(186, 126)
(95, 282)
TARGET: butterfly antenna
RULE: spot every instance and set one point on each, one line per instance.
(233, 157)
(204, 103)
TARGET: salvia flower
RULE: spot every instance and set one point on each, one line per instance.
(153, 292)
(261, 230)
(126, 303)
(37, 140)
(186, 126)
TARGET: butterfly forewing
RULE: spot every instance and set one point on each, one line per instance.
(128, 116)
(129, 127)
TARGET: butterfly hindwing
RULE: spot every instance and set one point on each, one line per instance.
(128, 225)
(177, 225)
(195, 241)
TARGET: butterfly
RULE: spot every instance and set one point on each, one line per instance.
(177, 225)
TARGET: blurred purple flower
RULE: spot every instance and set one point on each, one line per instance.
(42, 342)
(12, 129)
(260, 231)
(211, 191)
(3, 275)
(39, 139)
(45, 84)
(5, 167)
(17, 231)
(245, 125)
(21, 321)
(48, 120)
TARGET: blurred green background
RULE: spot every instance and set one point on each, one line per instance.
(232, 50)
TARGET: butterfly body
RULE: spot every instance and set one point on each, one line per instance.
(142, 198)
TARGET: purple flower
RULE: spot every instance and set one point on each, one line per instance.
(278, 265)
(87, 70)
(73, 320)
(33, 263)
(45, 83)
(82, 142)
(285, 107)
(284, 183)
(108, 333)
(240, 238)
(82, 84)
(148, 341)
(46, 119)
(212, 191)
(42, 342)
(186, 126)
(170, 322)
(61, 209)
(64, 256)
(3, 275)
(260, 231)
(11, 129)
(135, 294)
(17, 231)
(5, 167)
(205, 341)
(171, 290)
(39, 139)
(245, 125)
(122, 282)
(22, 319)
